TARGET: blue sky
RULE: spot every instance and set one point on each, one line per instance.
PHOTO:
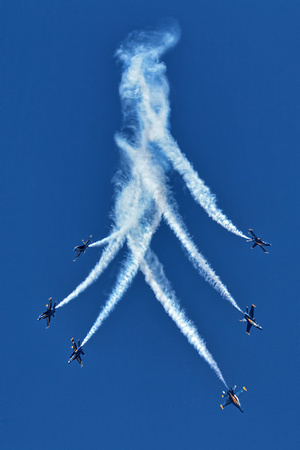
(234, 92)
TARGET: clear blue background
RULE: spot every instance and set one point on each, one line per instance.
(234, 79)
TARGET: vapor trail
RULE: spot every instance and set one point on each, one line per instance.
(105, 240)
(130, 205)
(107, 256)
(126, 275)
(196, 186)
(144, 81)
(155, 277)
(175, 223)
(143, 195)
(154, 182)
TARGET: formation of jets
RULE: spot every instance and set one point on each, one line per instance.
(231, 395)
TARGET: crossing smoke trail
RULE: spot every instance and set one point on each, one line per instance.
(197, 187)
(143, 194)
(127, 274)
(127, 213)
(154, 181)
(107, 256)
(144, 79)
(155, 277)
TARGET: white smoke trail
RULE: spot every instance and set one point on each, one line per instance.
(197, 187)
(153, 179)
(126, 275)
(107, 256)
(130, 206)
(105, 240)
(125, 278)
(155, 277)
(145, 197)
(175, 223)
(144, 80)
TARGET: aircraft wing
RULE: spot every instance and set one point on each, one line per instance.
(263, 249)
(49, 306)
(48, 321)
(240, 392)
(253, 234)
(228, 401)
(78, 254)
(249, 325)
(252, 311)
(254, 245)
(72, 357)
(79, 360)
(74, 347)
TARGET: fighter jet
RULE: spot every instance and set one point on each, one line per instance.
(76, 352)
(82, 248)
(233, 397)
(49, 312)
(257, 241)
(249, 318)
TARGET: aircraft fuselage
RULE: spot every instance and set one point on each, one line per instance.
(258, 241)
(235, 401)
(252, 321)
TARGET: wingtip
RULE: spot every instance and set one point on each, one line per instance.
(221, 406)
(244, 388)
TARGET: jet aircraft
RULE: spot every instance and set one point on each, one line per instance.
(76, 352)
(82, 248)
(48, 313)
(233, 397)
(249, 318)
(257, 241)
